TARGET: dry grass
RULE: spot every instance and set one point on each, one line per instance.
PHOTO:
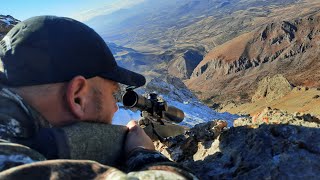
(230, 50)
(296, 101)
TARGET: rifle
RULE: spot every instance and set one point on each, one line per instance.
(157, 116)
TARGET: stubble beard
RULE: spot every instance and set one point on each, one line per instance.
(97, 100)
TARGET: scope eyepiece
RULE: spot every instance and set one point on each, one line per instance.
(132, 100)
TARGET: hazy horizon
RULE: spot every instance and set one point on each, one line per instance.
(81, 10)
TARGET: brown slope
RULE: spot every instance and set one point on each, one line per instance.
(231, 71)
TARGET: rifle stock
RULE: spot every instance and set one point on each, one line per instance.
(92, 141)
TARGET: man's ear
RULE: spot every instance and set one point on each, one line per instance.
(77, 95)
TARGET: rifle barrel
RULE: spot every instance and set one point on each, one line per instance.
(173, 114)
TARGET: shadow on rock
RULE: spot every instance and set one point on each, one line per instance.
(267, 152)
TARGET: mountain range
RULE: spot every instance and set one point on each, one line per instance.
(220, 48)
(157, 26)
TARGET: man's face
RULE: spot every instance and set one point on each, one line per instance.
(103, 104)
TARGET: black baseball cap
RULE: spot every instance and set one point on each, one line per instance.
(51, 49)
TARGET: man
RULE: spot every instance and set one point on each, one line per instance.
(56, 72)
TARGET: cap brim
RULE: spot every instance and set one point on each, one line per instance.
(125, 76)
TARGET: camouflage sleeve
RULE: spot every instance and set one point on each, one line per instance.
(21, 162)
(12, 155)
(80, 169)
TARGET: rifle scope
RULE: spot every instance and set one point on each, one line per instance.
(152, 105)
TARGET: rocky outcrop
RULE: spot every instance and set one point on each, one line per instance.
(272, 88)
(246, 151)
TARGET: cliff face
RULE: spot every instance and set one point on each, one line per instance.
(184, 63)
(275, 41)
(290, 48)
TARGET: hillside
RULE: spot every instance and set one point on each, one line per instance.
(291, 99)
(180, 63)
(288, 47)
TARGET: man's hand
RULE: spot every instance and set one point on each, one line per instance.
(137, 138)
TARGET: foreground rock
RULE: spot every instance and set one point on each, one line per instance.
(268, 151)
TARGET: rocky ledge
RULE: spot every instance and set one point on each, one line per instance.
(271, 145)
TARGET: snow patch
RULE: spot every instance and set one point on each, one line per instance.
(195, 113)
(176, 94)
(123, 116)
(8, 20)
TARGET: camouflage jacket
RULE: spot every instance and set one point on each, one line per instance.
(28, 151)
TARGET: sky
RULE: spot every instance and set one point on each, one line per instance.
(79, 9)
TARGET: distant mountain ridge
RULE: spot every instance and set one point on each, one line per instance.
(181, 32)
(155, 26)
(6, 23)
